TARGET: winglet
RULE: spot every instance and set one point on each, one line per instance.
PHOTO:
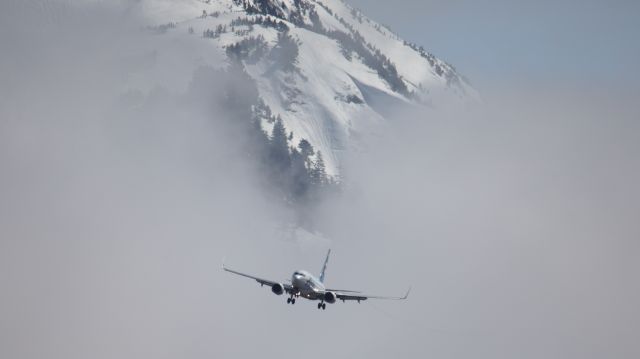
(407, 294)
(224, 259)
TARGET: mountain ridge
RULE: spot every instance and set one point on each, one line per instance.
(311, 61)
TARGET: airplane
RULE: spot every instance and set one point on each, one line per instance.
(304, 284)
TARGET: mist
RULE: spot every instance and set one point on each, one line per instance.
(515, 221)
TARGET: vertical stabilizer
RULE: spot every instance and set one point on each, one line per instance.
(324, 266)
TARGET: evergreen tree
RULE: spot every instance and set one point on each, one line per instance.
(279, 151)
(285, 53)
(306, 151)
(300, 179)
(319, 172)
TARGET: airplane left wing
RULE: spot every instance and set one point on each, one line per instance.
(343, 296)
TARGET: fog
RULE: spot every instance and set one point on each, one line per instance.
(515, 221)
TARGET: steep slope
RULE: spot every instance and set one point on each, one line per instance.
(329, 72)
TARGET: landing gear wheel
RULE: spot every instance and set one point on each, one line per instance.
(293, 301)
(324, 306)
(288, 300)
(319, 305)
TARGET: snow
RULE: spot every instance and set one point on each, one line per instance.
(312, 101)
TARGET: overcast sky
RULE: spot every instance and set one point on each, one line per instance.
(505, 41)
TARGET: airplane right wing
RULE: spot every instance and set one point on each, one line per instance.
(286, 286)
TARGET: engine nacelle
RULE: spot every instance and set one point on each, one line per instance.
(277, 289)
(330, 297)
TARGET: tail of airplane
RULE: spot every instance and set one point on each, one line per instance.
(324, 266)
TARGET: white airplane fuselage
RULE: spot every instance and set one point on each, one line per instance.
(307, 285)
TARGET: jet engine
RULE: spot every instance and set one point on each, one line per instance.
(330, 297)
(277, 289)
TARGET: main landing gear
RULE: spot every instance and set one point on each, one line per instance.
(322, 306)
(292, 298)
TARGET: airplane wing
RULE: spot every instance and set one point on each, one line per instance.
(287, 287)
(343, 296)
(342, 291)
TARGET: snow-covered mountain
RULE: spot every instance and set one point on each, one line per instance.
(329, 72)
